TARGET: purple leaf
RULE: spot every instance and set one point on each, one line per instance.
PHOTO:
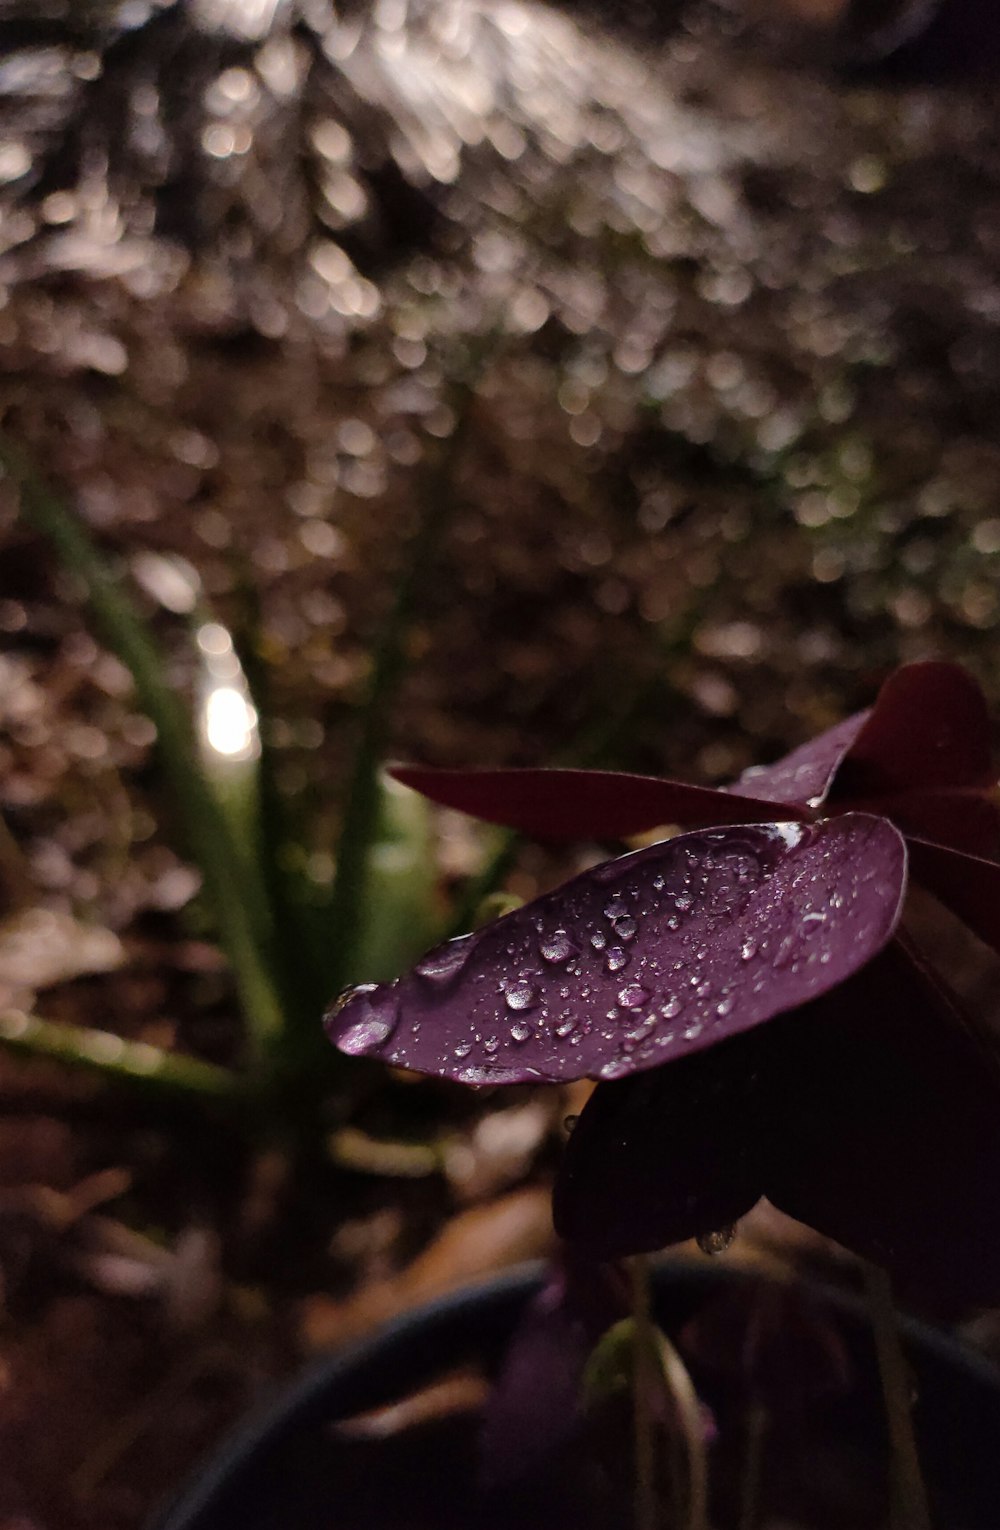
(887, 1129)
(967, 884)
(534, 1407)
(666, 1155)
(803, 777)
(928, 730)
(644, 959)
(578, 804)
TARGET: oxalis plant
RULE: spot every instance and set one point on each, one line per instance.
(756, 1019)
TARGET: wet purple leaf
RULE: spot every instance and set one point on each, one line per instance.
(803, 777)
(643, 960)
(579, 804)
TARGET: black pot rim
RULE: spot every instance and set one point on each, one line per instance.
(368, 1372)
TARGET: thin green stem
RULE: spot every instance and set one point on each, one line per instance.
(679, 1385)
(134, 1062)
(646, 1516)
(910, 1507)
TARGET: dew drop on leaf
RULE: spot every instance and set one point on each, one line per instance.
(719, 1241)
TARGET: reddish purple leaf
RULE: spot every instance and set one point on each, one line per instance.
(967, 884)
(579, 804)
(534, 1408)
(965, 818)
(644, 959)
(887, 1129)
(928, 730)
(802, 778)
(666, 1155)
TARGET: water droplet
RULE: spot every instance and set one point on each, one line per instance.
(375, 1022)
(748, 950)
(633, 996)
(618, 1067)
(520, 996)
(811, 923)
(520, 1031)
(719, 1241)
(616, 909)
(598, 940)
(491, 1044)
(570, 1122)
(672, 1008)
(558, 947)
(616, 959)
(445, 962)
(692, 1032)
(724, 1007)
(567, 1026)
(659, 883)
(785, 952)
(463, 1049)
(683, 902)
(625, 928)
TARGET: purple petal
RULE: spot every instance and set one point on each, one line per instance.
(534, 1407)
(665, 1155)
(888, 1115)
(929, 730)
(967, 884)
(643, 959)
(578, 804)
(802, 778)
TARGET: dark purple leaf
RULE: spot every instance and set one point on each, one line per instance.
(578, 804)
(964, 818)
(534, 1407)
(644, 959)
(887, 1126)
(929, 730)
(802, 778)
(967, 884)
(666, 1155)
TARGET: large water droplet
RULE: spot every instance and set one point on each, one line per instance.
(558, 947)
(633, 996)
(616, 909)
(446, 961)
(520, 996)
(625, 928)
(520, 1031)
(598, 940)
(719, 1241)
(616, 959)
(375, 1022)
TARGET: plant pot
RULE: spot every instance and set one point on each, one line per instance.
(286, 1468)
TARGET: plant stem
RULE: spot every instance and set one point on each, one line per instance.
(910, 1507)
(753, 1459)
(645, 1479)
(685, 1400)
(136, 1062)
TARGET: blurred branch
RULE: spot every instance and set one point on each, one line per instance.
(135, 1062)
(236, 900)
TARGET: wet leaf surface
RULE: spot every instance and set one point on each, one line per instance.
(643, 960)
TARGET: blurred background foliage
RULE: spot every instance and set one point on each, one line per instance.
(642, 361)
